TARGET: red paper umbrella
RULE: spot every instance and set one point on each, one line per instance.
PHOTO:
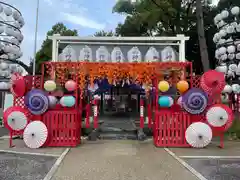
(220, 117)
(15, 118)
(212, 82)
(18, 85)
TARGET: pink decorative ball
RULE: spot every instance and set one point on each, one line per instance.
(71, 85)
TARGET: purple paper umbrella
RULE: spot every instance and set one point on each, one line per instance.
(195, 101)
(36, 101)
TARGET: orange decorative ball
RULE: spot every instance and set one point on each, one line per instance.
(182, 86)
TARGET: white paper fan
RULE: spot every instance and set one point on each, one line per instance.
(217, 116)
(17, 120)
(198, 135)
(35, 134)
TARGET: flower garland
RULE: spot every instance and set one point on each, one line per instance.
(141, 73)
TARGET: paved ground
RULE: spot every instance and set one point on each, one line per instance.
(231, 148)
(120, 160)
(3, 131)
(217, 169)
(24, 167)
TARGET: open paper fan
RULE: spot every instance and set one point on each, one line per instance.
(220, 115)
(37, 101)
(198, 135)
(212, 82)
(15, 118)
(195, 101)
(35, 134)
(18, 85)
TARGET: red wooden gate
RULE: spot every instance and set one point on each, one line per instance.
(170, 127)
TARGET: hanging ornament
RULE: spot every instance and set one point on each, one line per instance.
(35, 134)
(18, 85)
(15, 118)
(71, 85)
(227, 89)
(198, 135)
(163, 86)
(182, 86)
(36, 101)
(50, 86)
(68, 101)
(164, 101)
(195, 101)
(236, 88)
(52, 101)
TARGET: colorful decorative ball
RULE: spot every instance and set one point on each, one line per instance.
(182, 86)
(164, 101)
(52, 101)
(50, 86)
(67, 101)
(71, 85)
(179, 101)
(171, 101)
(163, 86)
(36, 101)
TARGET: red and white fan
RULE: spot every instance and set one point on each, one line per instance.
(15, 118)
(220, 115)
(18, 85)
(198, 134)
(35, 134)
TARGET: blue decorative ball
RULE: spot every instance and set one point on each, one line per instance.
(68, 101)
(164, 101)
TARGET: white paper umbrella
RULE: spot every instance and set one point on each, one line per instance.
(198, 135)
(217, 116)
(35, 134)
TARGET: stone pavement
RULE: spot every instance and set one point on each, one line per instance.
(120, 160)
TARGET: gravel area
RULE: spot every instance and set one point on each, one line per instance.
(24, 167)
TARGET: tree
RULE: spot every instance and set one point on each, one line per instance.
(45, 53)
(168, 18)
(104, 33)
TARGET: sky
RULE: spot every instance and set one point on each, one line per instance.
(87, 16)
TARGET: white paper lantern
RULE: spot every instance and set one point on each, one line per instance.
(218, 17)
(4, 66)
(230, 29)
(227, 89)
(4, 85)
(231, 56)
(4, 56)
(16, 15)
(221, 68)
(238, 28)
(231, 49)
(221, 24)
(224, 14)
(224, 57)
(8, 11)
(235, 10)
(236, 88)
(1, 8)
(222, 33)
(221, 41)
(233, 67)
(222, 50)
(238, 56)
(2, 29)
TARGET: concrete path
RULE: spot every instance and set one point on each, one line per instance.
(120, 160)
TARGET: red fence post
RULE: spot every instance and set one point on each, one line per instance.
(149, 112)
(141, 113)
(87, 121)
(95, 114)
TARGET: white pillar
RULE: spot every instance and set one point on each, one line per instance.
(182, 56)
(54, 47)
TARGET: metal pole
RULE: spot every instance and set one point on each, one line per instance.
(35, 40)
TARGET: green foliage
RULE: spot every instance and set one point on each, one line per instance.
(45, 53)
(104, 33)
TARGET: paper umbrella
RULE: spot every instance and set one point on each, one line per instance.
(198, 135)
(35, 134)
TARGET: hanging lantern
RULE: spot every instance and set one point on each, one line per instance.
(50, 86)
(164, 101)
(182, 86)
(71, 85)
(227, 89)
(68, 101)
(52, 101)
(163, 86)
(236, 88)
